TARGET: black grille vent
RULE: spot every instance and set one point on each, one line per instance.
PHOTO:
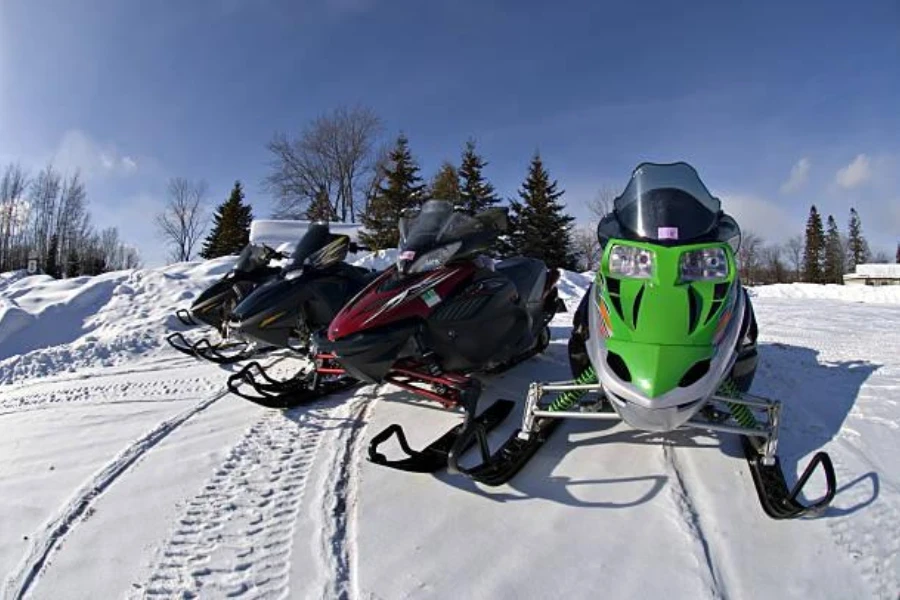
(695, 373)
(460, 309)
(636, 308)
(695, 306)
(613, 286)
(618, 366)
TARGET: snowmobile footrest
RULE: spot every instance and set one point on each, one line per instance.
(434, 457)
(503, 465)
(777, 501)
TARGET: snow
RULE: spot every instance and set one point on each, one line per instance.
(128, 471)
(886, 294)
(285, 234)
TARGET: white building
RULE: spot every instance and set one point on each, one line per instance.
(882, 274)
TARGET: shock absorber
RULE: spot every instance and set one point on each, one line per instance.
(567, 400)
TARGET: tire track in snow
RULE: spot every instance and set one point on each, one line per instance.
(689, 522)
(339, 502)
(234, 537)
(45, 541)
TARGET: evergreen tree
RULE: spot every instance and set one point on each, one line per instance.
(540, 227)
(321, 209)
(231, 226)
(445, 185)
(476, 194)
(400, 190)
(72, 263)
(834, 254)
(898, 253)
(52, 265)
(857, 248)
(814, 248)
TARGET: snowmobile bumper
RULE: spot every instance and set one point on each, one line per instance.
(185, 316)
(223, 353)
(368, 355)
(303, 388)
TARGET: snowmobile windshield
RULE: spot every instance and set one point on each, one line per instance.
(433, 236)
(667, 203)
(252, 257)
(318, 248)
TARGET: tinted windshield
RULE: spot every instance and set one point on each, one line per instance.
(251, 258)
(315, 238)
(435, 225)
(667, 203)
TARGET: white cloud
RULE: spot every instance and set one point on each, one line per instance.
(763, 217)
(78, 150)
(856, 173)
(799, 175)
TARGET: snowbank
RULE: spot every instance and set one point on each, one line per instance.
(888, 294)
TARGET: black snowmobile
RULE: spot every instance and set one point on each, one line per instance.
(665, 338)
(284, 313)
(213, 305)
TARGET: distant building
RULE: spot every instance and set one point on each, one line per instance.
(881, 274)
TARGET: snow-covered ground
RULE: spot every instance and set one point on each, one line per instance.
(126, 470)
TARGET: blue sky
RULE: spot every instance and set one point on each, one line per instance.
(777, 104)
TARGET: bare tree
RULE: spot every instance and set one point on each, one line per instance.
(13, 216)
(749, 255)
(602, 202)
(793, 249)
(773, 264)
(335, 153)
(880, 257)
(183, 221)
(586, 247)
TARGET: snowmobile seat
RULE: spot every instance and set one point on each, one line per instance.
(529, 276)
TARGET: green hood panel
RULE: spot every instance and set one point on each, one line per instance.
(658, 369)
(663, 310)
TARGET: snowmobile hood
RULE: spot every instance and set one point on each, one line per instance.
(391, 298)
(265, 297)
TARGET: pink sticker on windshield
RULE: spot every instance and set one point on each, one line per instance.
(407, 255)
(667, 233)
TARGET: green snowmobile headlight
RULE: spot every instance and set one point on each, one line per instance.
(704, 264)
(631, 261)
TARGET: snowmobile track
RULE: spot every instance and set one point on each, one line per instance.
(690, 523)
(234, 537)
(44, 542)
(340, 493)
(168, 389)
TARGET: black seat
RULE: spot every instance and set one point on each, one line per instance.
(529, 276)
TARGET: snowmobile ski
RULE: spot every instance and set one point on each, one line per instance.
(776, 499)
(501, 466)
(222, 353)
(435, 456)
(184, 315)
(303, 388)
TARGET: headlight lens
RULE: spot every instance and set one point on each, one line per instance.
(705, 264)
(430, 260)
(631, 261)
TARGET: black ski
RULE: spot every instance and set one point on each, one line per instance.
(434, 457)
(777, 501)
(216, 353)
(272, 393)
(502, 465)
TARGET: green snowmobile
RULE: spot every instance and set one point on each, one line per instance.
(665, 338)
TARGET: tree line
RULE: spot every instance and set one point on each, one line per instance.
(339, 169)
(46, 216)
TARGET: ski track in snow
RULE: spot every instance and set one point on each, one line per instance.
(46, 541)
(689, 522)
(340, 493)
(234, 538)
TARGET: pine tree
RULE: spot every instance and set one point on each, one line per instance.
(72, 263)
(52, 264)
(445, 185)
(541, 227)
(898, 253)
(834, 254)
(857, 248)
(321, 209)
(401, 190)
(476, 194)
(814, 248)
(231, 226)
